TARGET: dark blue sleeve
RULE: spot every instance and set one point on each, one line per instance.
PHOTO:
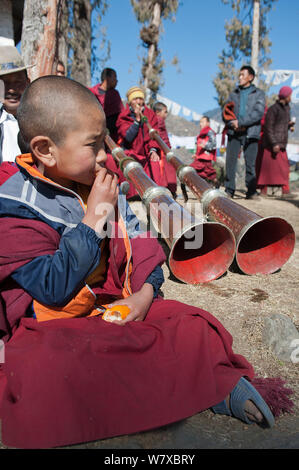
(54, 279)
(156, 279)
(132, 132)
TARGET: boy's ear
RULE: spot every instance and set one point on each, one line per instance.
(43, 148)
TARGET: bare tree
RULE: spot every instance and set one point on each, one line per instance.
(255, 35)
(150, 13)
(60, 30)
(248, 41)
(39, 36)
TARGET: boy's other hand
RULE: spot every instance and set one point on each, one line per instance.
(154, 157)
(139, 304)
(102, 200)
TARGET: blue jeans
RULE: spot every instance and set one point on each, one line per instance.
(250, 148)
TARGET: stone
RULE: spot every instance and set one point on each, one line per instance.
(281, 335)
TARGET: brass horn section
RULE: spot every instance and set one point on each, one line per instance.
(200, 251)
(263, 244)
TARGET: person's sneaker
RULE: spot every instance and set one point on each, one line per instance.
(229, 195)
(255, 196)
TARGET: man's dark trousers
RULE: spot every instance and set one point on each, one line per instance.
(250, 148)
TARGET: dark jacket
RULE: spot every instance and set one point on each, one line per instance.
(254, 112)
(277, 125)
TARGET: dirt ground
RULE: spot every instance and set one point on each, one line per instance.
(241, 303)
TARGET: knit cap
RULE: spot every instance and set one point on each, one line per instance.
(135, 92)
(285, 91)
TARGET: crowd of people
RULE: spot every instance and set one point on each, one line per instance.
(261, 132)
(69, 376)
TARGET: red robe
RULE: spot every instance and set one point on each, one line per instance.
(110, 100)
(141, 145)
(112, 105)
(203, 159)
(68, 381)
(271, 169)
(168, 173)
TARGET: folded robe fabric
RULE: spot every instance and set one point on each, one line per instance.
(82, 379)
(75, 380)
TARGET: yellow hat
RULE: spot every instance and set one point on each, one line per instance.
(135, 92)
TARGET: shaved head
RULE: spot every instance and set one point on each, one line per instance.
(50, 106)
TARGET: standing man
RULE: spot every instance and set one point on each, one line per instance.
(109, 98)
(13, 73)
(245, 106)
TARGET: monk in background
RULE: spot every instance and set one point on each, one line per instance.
(167, 170)
(134, 135)
(109, 98)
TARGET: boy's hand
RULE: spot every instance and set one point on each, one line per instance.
(154, 157)
(102, 200)
(139, 304)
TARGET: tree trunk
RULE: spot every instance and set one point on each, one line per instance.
(255, 36)
(63, 29)
(156, 21)
(39, 36)
(81, 42)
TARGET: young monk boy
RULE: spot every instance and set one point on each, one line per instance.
(205, 151)
(69, 376)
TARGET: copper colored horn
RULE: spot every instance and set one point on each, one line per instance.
(200, 251)
(263, 244)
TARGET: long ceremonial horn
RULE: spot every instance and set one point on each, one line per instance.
(263, 244)
(200, 251)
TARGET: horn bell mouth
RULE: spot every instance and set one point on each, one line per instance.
(202, 253)
(265, 246)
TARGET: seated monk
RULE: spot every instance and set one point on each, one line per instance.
(205, 154)
(205, 151)
(134, 135)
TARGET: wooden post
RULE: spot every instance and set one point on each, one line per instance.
(255, 37)
(39, 36)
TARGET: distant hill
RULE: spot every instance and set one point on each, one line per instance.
(182, 127)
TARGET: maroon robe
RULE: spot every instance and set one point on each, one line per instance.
(112, 105)
(272, 169)
(68, 381)
(110, 100)
(141, 145)
(169, 178)
(203, 159)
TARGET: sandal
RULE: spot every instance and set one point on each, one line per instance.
(242, 392)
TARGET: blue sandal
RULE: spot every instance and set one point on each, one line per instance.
(242, 392)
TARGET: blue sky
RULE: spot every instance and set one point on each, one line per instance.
(197, 38)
